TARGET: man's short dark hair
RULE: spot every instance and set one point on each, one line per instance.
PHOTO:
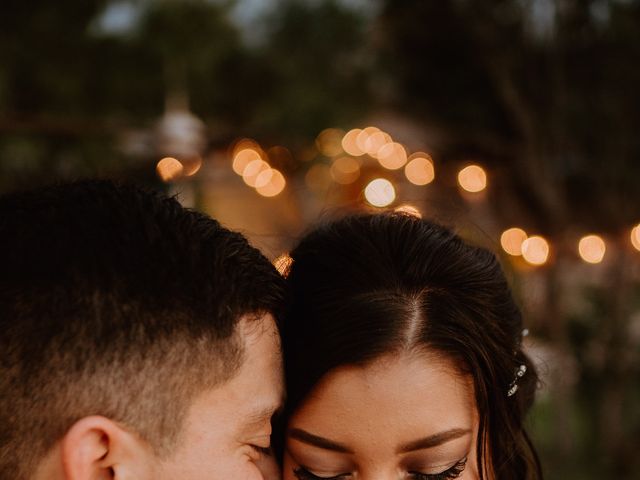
(117, 302)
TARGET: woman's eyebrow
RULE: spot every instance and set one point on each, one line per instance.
(434, 440)
(316, 441)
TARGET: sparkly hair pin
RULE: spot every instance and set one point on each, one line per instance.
(520, 371)
(513, 387)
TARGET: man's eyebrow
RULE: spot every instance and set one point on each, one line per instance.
(316, 441)
(434, 440)
(263, 414)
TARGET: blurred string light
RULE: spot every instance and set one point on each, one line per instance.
(253, 169)
(243, 158)
(380, 192)
(345, 170)
(635, 237)
(535, 250)
(329, 142)
(376, 142)
(420, 170)
(592, 248)
(249, 162)
(318, 177)
(512, 240)
(191, 166)
(350, 143)
(392, 156)
(283, 264)
(364, 139)
(472, 178)
(169, 169)
(180, 134)
(270, 183)
(252, 163)
(279, 155)
(409, 210)
(263, 178)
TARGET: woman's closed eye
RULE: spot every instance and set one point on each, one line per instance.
(450, 473)
(302, 473)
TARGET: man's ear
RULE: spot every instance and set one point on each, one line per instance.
(96, 448)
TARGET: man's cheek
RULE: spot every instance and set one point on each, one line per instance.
(269, 468)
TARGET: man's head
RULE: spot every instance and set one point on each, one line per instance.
(137, 339)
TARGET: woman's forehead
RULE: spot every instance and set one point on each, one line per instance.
(403, 395)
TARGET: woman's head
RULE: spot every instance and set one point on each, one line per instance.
(401, 333)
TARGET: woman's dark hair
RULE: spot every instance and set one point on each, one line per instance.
(370, 285)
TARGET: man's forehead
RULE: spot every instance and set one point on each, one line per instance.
(261, 343)
(252, 327)
(261, 413)
(262, 372)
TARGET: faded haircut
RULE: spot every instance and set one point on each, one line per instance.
(117, 302)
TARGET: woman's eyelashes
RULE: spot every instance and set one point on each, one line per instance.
(302, 473)
(450, 473)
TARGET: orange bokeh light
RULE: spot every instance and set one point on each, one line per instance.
(329, 142)
(362, 140)
(192, 166)
(380, 192)
(274, 184)
(345, 170)
(350, 143)
(318, 177)
(472, 178)
(253, 169)
(420, 170)
(244, 157)
(592, 248)
(512, 240)
(283, 264)
(635, 237)
(392, 156)
(375, 142)
(535, 250)
(263, 178)
(169, 169)
(409, 210)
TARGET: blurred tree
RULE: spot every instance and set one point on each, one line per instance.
(543, 92)
(319, 56)
(44, 65)
(71, 87)
(549, 100)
